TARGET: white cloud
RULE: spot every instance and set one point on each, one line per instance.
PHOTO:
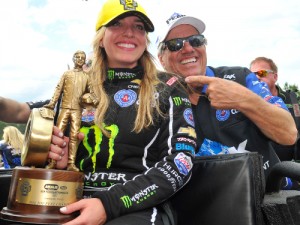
(37, 41)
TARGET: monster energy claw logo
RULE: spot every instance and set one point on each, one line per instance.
(177, 101)
(129, 4)
(95, 148)
(110, 74)
(126, 201)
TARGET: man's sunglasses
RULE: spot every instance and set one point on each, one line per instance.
(263, 73)
(176, 44)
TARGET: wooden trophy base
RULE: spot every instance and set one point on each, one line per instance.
(36, 195)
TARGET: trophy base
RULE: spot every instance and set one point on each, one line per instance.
(36, 195)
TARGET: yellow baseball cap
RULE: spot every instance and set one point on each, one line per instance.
(113, 9)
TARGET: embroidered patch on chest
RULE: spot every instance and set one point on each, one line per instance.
(125, 98)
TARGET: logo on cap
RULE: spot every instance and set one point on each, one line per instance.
(174, 16)
(129, 5)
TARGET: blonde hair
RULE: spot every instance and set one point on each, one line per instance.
(13, 137)
(147, 106)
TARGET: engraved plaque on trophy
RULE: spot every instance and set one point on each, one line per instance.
(36, 194)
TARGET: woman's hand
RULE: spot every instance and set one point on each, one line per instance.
(91, 212)
(59, 148)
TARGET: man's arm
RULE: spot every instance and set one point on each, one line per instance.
(275, 122)
(12, 111)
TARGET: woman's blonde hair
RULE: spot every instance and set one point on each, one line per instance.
(13, 137)
(148, 104)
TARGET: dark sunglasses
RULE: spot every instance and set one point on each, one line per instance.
(177, 43)
(263, 73)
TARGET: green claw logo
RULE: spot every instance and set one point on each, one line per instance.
(126, 201)
(94, 150)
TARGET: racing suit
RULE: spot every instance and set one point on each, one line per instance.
(138, 171)
(230, 131)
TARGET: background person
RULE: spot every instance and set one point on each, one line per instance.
(267, 71)
(139, 150)
(11, 146)
(233, 111)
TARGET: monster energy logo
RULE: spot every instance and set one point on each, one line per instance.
(129, 4)
(110, 74)
(126, 201)
(177, 101)
(94, 150)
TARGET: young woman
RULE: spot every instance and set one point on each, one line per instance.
(138, 151)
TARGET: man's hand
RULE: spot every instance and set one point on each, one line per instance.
(222, 93)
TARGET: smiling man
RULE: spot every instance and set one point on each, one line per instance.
(233, 111)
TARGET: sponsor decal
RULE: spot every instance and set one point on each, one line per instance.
(234, 111)
(103, 179)
(188, 116)
(125, 98)
(179, 101)
(111, 74)
(184, 147)
(129, 4)
(171, 81)
(88, 115)
(222, 114)
(229, 76)
(126, 201)
(172, 175)
(174, 16)
(139, 197)
(190, 131)
(183, 163)
(184, 139)
(94, 150)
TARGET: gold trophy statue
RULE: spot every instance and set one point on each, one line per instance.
(37, 192)
(73, 85)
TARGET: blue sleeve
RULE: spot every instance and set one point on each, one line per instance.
(262, 89)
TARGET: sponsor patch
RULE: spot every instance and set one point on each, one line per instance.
(222, 114)
(187, 130)
(188, 116)
(125, 98)
(172, 80)
(183, 163)
(184, 147)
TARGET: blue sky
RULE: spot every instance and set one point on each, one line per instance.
(39, 37)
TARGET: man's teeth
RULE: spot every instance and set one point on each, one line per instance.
(188, 60)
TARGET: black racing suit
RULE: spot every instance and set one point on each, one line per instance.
(230, 131)
(137, 171)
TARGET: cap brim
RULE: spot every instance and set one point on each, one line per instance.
(147, 22)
